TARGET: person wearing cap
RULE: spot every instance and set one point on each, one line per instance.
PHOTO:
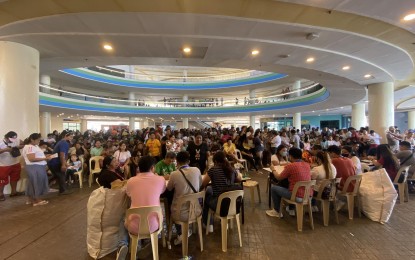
(58, 165)
(9, 165)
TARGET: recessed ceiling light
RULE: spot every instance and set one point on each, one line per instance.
(255, 52)
(108, 47)
(409, 17)
(309, 60)
(187, 50)
(341, 107)
(346, 68)
(313, 111)
(368, 76)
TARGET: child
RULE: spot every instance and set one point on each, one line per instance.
(74, 165)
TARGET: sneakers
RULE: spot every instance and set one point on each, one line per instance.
(291, 212)
(122, 252)
(40, 203)
(178, 240)
(273, 213)
(210, 228)
(314, 209)
(340, 205)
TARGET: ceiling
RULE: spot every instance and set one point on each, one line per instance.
(369, 36)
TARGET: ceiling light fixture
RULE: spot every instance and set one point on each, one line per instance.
(187, 50)
(409, 17)
(346, 68)
(368, 76)
(309, 60)
(255, 52)
(108, 47)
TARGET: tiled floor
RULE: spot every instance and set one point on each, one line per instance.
(58, 231)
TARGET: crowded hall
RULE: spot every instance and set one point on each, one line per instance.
(186, 129)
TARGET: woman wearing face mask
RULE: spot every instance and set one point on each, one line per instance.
(281, 156)
(347, 151)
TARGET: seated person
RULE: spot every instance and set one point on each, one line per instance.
(386, 159)
(347, 151)
(281, 156)
(109, 172)
(406, 158)
(181, 187)
(144, 189)
(296, 171)
(344, 166)
(166, 166)
(73, 166)
(230, 150)
(221, 175)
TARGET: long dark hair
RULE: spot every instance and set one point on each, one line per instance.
(326, 162)
(32, 137)
(220, 160)
(389, 158)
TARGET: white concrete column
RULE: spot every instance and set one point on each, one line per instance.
(84, 125)
(252, 121)
(358, 115)
(185, 119)
(19, 84)
(252, 96)
(131, 123)
(296, 86)
(185, 122)
(131, 96)
(45, 79)
(45, 124)
(297, 120)
(381, 108)
(411, 119)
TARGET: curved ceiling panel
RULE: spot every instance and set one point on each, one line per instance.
(125, 82)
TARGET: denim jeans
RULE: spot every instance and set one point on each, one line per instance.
(123, 237)
(210, 202)
(278, 192)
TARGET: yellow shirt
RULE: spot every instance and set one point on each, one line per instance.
(229, 149)
(153, 147)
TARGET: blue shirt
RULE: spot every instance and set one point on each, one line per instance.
(61, 147)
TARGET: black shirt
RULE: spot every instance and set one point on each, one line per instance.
(106, 177)
(198, 154)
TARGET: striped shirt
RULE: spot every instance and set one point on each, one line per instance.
(219, 180)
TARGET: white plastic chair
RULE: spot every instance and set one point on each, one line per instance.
(228, 213)
(356, 179)
(325, 203)
(190, 206)
(144, 229)
(365, 167)
(299, 206)
(402, 185)
(96, 169)
(242, 160)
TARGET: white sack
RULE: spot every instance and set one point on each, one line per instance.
(105, 211)
(378, 195)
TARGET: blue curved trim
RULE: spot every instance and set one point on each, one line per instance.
(173, 86)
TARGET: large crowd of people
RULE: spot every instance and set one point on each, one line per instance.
(206, 158)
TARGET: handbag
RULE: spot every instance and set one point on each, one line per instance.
(15, 152)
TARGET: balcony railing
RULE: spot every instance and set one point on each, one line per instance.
(191, 102)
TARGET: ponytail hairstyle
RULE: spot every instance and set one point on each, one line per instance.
(219, 159)
(32, 137)
(326, 162)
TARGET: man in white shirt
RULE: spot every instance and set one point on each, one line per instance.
(275, 141)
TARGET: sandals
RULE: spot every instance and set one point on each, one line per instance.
(40, 203)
